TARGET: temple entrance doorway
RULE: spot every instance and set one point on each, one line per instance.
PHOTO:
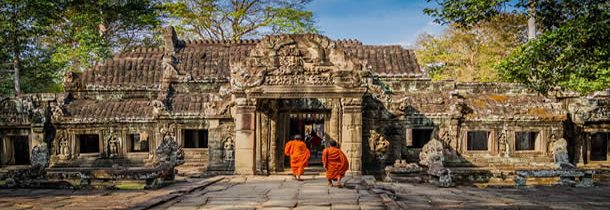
(310, 126)
(275, 121)
(279, 120)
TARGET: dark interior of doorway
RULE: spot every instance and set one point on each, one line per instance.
(599, 147)
(21, 148)
(312, 131)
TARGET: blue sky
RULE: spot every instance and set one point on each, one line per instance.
(377, 22)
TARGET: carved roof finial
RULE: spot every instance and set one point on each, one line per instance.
(170, 38)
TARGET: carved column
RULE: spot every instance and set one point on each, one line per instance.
(245, 136)
(273, 137)
(351, 133)
(332, 126)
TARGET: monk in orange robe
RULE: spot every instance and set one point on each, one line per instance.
(299, 156)
(335, 162)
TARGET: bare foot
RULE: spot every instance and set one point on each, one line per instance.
(339, 186)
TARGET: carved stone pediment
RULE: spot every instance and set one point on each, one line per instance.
(589, 110)
(297, 60)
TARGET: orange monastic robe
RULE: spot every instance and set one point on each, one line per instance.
(299, 156)
(335, 162)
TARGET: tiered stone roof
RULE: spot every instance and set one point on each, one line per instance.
(521, 107)
(141, 68)
(84, 111)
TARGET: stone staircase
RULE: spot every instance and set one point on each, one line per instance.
(311, 170)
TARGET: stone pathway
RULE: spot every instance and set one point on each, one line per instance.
(97, 199)
(283, 193)
(423, 196)
(277, 193)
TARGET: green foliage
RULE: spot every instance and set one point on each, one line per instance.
(23, 24)
(571, 52)
(465, 13)
(218, 19)
(90, 32)
(45, 38)
(575, 56)
(469, 55)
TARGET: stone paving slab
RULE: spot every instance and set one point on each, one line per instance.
(283, 193)
(95, 199)
(278, 192)
(424, 196)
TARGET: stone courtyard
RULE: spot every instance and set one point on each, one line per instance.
(281, 192)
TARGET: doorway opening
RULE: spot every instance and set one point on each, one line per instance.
(599, 147)
(311, 128)
(21, 150)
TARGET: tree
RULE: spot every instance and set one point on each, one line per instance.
(236, 19)
(45, 38)
(22, 24)
(575, 56)
(91, 31)
(469, 55)
(573, 50)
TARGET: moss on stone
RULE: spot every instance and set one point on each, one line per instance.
(129, 186)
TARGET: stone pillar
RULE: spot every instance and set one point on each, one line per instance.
(351, 133)
(332, 126)
(273, 162)
(245, 137)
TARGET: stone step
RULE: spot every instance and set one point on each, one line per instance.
(312, 170)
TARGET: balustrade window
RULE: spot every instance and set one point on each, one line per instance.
(477, 140)
(137, 144)
(525, 140)
(89, 143)
(195, 138)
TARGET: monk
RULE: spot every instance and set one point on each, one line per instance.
(299, 156)
(335, 162)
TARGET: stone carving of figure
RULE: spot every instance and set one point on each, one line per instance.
(228, 147)
(560, 154)
(379, 145)
(56, 112)
(113, 146)
(64, 149)
(503, 140)
(169, 153)
(432, 152)
(40, 155)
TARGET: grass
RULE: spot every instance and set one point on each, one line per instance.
(130, 186)
(2, 182)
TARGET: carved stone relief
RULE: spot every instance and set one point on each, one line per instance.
(297, 60)
(219, 104)
(504, 143)
(228, 149)
(560, 154)
(113, 143)
(40, 155)
(62, 146)
(432, 153)
(378, 145)
(169, 153)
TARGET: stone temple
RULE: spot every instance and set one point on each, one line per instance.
(228, 107)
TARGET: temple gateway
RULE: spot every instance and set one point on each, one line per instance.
(232, 105)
